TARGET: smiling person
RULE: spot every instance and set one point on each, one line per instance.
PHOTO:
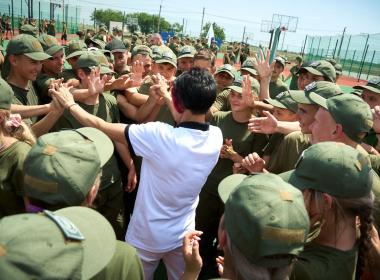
(23, 63)
(320, 70)
(276, 85)
(51, 68)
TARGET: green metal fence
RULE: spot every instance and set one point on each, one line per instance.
(57, 10)
(358, 54)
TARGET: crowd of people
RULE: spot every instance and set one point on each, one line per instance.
(117, 154)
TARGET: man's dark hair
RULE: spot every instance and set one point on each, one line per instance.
(195, 90)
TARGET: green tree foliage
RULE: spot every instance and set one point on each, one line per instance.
(218, 31)
(105, 16)
(147, 22)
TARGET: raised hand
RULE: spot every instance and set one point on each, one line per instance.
(264, 125)
(190, 251)
(262, 64)
(247, 91)
(95, 83)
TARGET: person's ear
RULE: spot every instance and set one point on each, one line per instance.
(327, 201)
(337, 133)
(13, 60)
(81, 74)
(90, 197)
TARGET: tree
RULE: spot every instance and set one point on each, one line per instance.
(148, 23)
(105, 16)
(218, 31)
(176, 27)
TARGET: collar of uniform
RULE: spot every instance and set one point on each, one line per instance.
(195, 125)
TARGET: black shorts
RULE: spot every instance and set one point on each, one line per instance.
(64, 37)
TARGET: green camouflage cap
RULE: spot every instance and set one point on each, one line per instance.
(249, 66)
(141, 49)
(281, 60)
(321, 68)
(338, 69)
(168, 57)
(322, 88)
(6, 95)
(29, 29)
(71, 243)
(226, 68)
(265, 218)
(349, 110)
(49, 44)
(284, 101)
(237, 85)
(88, 60)
(100, 44)
(156, 52)
(333, 168)
(332, 61)
(27, 45)
(115, 46)
(372, 85)
(186, 51)
(75, 48)
(61, 167)
(103, 61)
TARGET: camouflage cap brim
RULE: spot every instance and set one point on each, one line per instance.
(300, 97)
(312, 71)
(250, 70)
(159, 61)
(186, 55)
(275, 103)
(225, 71)
(53, 50)
(228, 184)
(39, 56)
(76, 53)
(319, 100)
(236, 88)
(105, 70)
(367, 87)
(118, 50)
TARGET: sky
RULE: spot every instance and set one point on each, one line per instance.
(323, 17)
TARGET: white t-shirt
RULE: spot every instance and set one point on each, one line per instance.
(176, 163)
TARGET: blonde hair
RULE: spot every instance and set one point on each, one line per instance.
(21, 133)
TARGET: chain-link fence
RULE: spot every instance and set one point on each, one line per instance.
(17, 11)
(359, 55)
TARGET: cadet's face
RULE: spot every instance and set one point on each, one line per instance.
(284, 115)
(185, 63)
(277, 70)
(167, 70)
(323, 127)
(26, 67)
(223, 80)
(236, 102)
(306, 78)
(55, 63)
(305, 115)
(73, 61)
(372, 99)
(121, 59)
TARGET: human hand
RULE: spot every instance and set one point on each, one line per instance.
(56, 106)
(132, 179)
(227, 150)
(264, 125)
(190, 251)
(122, 83)
(238, 168)
(247, 92)
(253, 163)
(95, 82)
(220, 264)
(63, 95)
(374, 253)
(262, 64)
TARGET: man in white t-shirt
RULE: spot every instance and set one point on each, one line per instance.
(176, 164)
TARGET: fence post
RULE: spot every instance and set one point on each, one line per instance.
(94, 19)
(319, 44)
(328, 47)
(362, 62)
(39, 18)
(304, 46)
(345, 55)
(336, 44)
(370, 66)
(311, 48)
(352, 60)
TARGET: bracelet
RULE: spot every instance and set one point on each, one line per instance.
(69, 107)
